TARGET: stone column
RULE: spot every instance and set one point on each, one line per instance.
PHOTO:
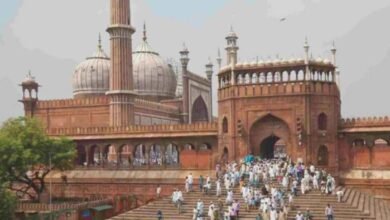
(121, 76)
(87, 149)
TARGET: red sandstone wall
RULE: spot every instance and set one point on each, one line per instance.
(196, 159)
(94, 112)
(249, 103)
(75, 116)
(363, 157)
(345, 155)
(381, 157)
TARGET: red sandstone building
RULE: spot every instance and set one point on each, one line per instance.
(132, 112)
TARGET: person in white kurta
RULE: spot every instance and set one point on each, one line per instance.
(174, 196)
(285, 181)
(194, 214)
(211, 211)
(273, 214)
(315, 182)
(229, 197)
(190, 181)
(187, 185)
(218, 188)
(200, 206)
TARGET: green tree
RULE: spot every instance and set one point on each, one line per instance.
(7, 203)
(27, 155)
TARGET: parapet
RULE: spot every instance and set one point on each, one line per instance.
(62, 103)
(365, 122)
(189, 129)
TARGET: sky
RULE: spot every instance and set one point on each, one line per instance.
(50, 37)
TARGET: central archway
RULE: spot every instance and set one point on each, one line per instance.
(270, 137)
(267, 147)
(272, 147)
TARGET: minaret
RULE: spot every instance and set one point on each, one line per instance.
(209, 70)
(219, 59)
(306, 47)
(333, 50)
(121, 91)
(231, 53)
(30, 99)
(209, 74)
(184, 59)
(231, 47)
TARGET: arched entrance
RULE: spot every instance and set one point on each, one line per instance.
(267, 150)
(270, 138)
(199, 111)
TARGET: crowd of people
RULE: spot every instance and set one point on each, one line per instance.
(267, 187)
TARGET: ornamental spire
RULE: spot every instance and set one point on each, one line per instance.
(100, 42)
(145, 37)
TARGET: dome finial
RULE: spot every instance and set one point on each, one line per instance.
(100, 41)
(145, 37)
(219, 58)
(306, 45)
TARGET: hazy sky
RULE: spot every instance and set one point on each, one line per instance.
(51, 37)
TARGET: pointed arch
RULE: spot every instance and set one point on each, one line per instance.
(265, 132)
(199, 111)
(322, 122)
(225, 128)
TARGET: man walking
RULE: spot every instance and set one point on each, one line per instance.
(158, 191)
(329, 212)
(190, 182)
(201, 183)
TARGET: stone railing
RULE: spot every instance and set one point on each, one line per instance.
(365, 122)
(60, 103)
(292, 63)
(135, 129)
(39, 207)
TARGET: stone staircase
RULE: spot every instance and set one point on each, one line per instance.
(170, 212)
(355, 205)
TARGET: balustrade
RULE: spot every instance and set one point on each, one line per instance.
(277, 76)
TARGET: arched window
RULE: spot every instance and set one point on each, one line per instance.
(359, 143)
(225, 128)
(139, 155)
(172, 155)
(255, 78)
(322, 157)
(322, 122)
(205, 146)
(247, 78)
(381, 142)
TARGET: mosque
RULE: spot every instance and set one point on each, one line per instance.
(133, 111)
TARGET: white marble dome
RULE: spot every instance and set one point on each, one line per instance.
(154, 78)
(91, 76)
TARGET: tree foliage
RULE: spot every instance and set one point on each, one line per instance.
(25, 154)
(7, 203)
